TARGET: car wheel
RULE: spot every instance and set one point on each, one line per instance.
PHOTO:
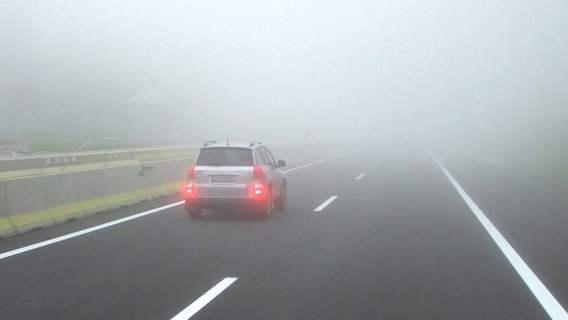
(280, 204)
(193, 211)
(266, 208)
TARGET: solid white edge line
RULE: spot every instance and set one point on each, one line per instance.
(360, 176)
(325, 204)
(85, 231)
(546, 299)
(204, 299)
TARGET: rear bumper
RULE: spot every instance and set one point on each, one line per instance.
(210, 202)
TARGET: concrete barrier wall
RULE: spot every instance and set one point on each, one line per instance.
(6, 226)
(33, 202)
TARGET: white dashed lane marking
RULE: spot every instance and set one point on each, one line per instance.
(325, 204)
(193, 308)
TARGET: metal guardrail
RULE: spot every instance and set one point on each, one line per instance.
(7, 154)
(128, 142)
(69, 159)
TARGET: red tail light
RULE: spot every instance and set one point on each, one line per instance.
(190, 176)
(191, 172)
(258, 187)
(257, 171)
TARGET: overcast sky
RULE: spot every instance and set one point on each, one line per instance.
(339, 68)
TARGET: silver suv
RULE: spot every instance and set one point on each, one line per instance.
(235, 175)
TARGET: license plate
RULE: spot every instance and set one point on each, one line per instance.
(220, 178)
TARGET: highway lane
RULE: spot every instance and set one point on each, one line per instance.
(397, 243)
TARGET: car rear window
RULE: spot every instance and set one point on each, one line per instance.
(225, 157)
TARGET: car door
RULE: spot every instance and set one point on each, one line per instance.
(276, 175)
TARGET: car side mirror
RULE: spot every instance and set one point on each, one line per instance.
(281, 163)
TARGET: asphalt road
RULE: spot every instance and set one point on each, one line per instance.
(392, 239)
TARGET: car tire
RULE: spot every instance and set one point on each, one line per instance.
(193, 212)
(266, 208)
(280, 204)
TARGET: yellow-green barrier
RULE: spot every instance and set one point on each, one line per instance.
(42, 200)
(27, 221)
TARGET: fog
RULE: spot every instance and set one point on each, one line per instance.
(440, 72)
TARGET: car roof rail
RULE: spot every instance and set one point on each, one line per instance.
(254, 143)
(208, 143)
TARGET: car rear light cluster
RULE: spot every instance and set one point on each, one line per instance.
(190, 176)
(258, 187)
(189, 188)
(257, 171)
